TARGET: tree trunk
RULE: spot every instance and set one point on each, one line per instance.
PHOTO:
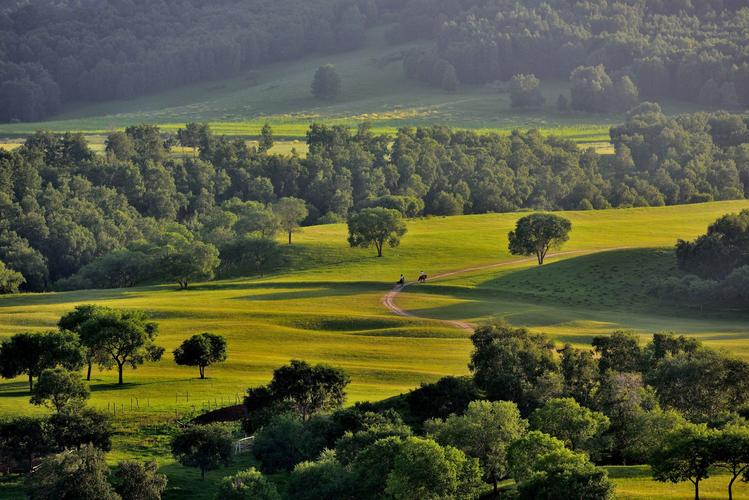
(119, 369)
(379, 248)
(202, 372)
(31, 382)
(730, 487)
(289, 237)
(88, 372)
(696, 490)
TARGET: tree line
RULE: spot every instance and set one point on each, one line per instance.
(141, 214)
(715, 267)
(689, 49)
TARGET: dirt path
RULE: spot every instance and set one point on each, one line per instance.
(388, 300)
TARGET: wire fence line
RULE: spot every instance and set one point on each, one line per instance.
(185, 404)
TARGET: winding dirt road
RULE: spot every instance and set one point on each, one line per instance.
(388, 300)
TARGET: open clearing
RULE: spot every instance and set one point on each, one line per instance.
(328, 308)
(374, 90)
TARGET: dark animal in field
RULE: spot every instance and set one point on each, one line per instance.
(422, 278)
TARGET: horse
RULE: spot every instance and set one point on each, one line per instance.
(422, 278)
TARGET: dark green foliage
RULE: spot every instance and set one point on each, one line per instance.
(525, 92)
(579, 428)
(424, 469)
(32, 353)
(686, 455)
(353, 442)
(10, 280)
(139, 480)
(593, 90)
(22, 439)
(512, 364)
(72, 219)
(60, 389)
(98, 51)
(324, 478)
(447, 396)
(700, 384)
(120, 338)
(247, 485)
(287, 440)
(431, 68)
(85, 426)
(641, 44)
(72, 475)
(201, 350)
(619, 351)
(326, 83)
(716, 254)
(376, 226)
(484, 432)
(537, 234)
(580, 372)
(256, 255)
(206, 447)
(408, 206)
(586, 481)
(309, 389)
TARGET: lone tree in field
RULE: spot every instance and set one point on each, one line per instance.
(290, 213)
(32, 353)
(525, 92)
(60, 389)
(537, 234)
(376, 226)
(201, 350)
(327, 83)
(123, 338)
(206, 447)
(266, 139)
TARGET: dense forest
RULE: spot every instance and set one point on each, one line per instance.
(114, 217)
(695, 50)
(53, 52)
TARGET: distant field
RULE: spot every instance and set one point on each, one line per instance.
(375, 90)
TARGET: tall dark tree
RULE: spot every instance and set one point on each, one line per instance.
(32, 353)
(537, 234)
(201, 350)
(326, 83)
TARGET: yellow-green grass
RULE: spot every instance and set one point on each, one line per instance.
(637, 483)
(374, 90)
(327, 308)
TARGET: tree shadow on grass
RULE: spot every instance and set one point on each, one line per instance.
(57, 298)
(14, 390)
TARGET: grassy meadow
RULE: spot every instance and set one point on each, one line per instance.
(327, 308)
(374, 90)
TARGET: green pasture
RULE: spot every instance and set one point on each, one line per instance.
(327, 308)
(374, 90)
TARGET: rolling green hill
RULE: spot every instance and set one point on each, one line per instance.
(374, 89)
(329, 309)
